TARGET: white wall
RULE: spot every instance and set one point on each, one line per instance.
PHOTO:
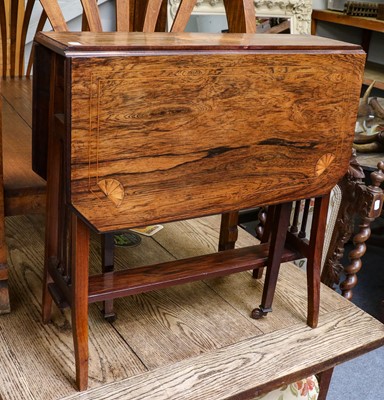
(72, 13)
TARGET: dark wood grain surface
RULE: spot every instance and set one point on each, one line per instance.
(172, 126)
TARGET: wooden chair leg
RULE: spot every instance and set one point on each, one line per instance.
(314, 258)
(324, 383)
(264, 233)
(107, 260)
(79, 308)
(47, 298)
(280, 223)
(4, 292)
(354, 265)
(228, 231)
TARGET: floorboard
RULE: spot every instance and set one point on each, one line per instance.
(155, 332)
(18, 93)
(17, 151)
(235, 370)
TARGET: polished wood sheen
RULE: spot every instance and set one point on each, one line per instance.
(138, 133)
(147, 128)
(143, 279)
(24, 191)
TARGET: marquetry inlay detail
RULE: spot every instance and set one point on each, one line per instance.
(113, 189)
(323, 163)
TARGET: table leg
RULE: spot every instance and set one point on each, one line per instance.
(314, 258)
(314, 26)
(281, 218)
(107, 260)
(228, 230)
(366, 40)
(79, 309)
(324, 383)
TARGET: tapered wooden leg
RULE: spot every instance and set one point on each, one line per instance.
(107, 260)
(228, 230)
(324, 383)
(279, 232)
(314, 258)
(79, 310)
(4, 292)
(47, 298)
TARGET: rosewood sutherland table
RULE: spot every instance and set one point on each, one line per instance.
(137, 129)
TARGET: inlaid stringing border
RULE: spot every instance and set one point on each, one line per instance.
(97, 102)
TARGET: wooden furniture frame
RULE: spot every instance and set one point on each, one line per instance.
(23, 190)
(359, 204)
(81, 169)
(4, 294)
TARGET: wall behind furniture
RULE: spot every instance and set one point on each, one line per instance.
(350, 34)
(72, 11)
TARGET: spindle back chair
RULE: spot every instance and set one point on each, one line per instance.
(24, 189)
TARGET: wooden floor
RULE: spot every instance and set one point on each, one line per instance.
(157, 331)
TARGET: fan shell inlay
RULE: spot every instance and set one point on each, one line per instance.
(323, 163)
(113, 189)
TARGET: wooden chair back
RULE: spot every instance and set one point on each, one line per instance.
(131, 15)
(24, 190)
(4, 294)
(15, 18)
